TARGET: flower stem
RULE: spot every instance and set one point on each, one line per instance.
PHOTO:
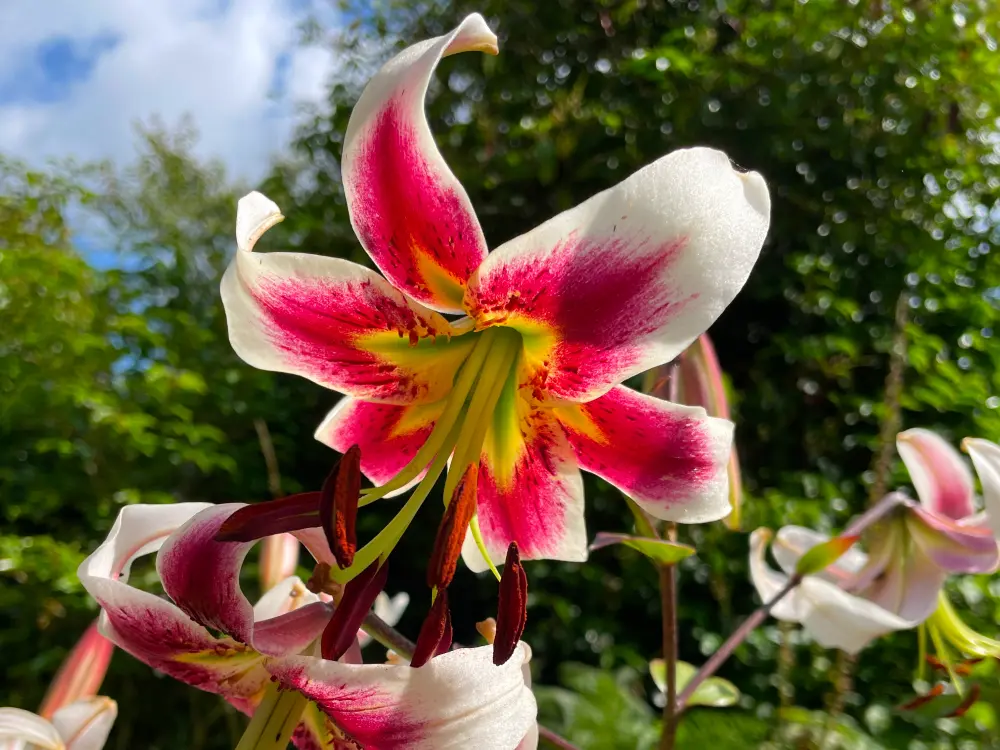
(668, 606)
(739, 635)
(380, 631)
(554, 739)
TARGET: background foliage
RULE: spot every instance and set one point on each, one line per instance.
(875, 124)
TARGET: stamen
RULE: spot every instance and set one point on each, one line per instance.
(338, 510)
(478, 418)
(436, 632)
(253, 522)
(451, 532)
(275, 719)
(359, 596)
(512, 612)
(438, 439)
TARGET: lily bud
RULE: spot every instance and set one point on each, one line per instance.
(436, 632)
(338, 509)
(81, 673)
(359, 595)
(512, 607)
(696, 380)
(451, 532)
(279, 557)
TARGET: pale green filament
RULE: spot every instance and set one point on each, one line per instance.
(439, 435)
(477, 537)
(275, 720)
(461, 429)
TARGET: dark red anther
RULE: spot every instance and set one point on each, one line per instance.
(921, 700)
(451, 532)
(966, 704)
(359, 595)
(259, 520)
(436, 632)
(338, 509)
(512, 607)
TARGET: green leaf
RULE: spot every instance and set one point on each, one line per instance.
(824, 554)
(657, 550)
(714, 692)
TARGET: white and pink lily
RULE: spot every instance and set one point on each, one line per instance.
(81, 725)
(209, 636)
(527, 383)
(912, 551)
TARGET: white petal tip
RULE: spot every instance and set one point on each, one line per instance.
(755, 190)
(474, 35)
(255, 214)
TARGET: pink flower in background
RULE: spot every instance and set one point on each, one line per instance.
(896, 585)
(209, 636)
(81, 673)
(527, 384)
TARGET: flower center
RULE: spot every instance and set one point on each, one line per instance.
(459, 433)
(275, 720)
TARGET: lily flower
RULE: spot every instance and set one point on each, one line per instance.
(266, 659)
(80, 725)
(527, 383)
(279, 557)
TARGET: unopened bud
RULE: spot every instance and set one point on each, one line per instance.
(81, 673)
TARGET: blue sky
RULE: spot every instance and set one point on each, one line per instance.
(75, 75)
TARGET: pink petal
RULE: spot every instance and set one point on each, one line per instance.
(337, 323)
(152, 629)
(986, 458)
(941, 478)
(628, 279)
(955, 547)
(456, 700)
(388, 435)
(203, 577)
(671, 459)
(530, 490)
(408, 209)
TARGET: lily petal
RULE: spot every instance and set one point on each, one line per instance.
(152, 629)
(456, 700)
(85, 724)
(628, 279)
(530, 489)
(388, 435)
(986, 458)
(337, 323)
(669, 458)
(953, 546)
(20, 726)
(940, 476)
(203, 577)
(287, 596)
(834, 617)
(407, 208)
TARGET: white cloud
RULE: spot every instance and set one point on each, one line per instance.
(215, 60)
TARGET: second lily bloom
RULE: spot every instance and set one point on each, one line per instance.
(528, 384)
(911, 551)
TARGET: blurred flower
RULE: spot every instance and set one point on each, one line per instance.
(696, 380)
(986, 458)
(268, 659)
(81, 673)
(81, 725)
(528, 384)
(863, 596)
(279, 557)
